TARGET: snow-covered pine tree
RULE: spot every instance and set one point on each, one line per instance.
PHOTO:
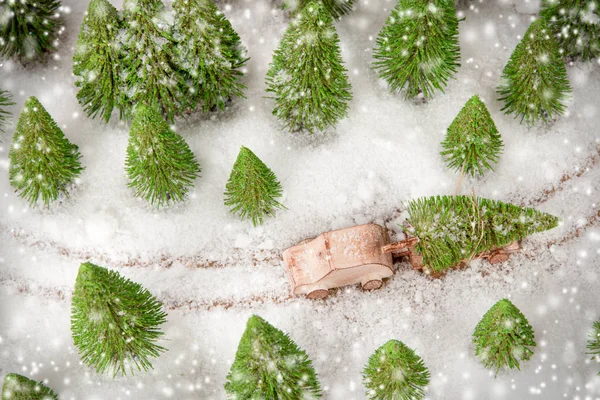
(503, 337)
(395, 371)
(269, 365)
(96, 62)
(534, 82)
(151, 76)
(337, 8)
(472, 144)
(252, 189)
(417, 49)
(576, 24)
(160, 165)
(593, 344)
(114, 321)
(42, 160)
(19, 387)
(307, 76)
(29, 29)
(5, 102)
(210, 51)
(456, 228)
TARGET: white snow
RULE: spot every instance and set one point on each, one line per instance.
(385, 152)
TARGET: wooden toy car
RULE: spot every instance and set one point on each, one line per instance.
(360, 254)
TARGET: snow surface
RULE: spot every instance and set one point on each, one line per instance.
(385, 152)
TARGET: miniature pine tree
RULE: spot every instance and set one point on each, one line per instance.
(269, 365)
(160, 165)
(593, 344)
(307, 77)
(252, 189)
(395, 372)
(576, 25)
(114, 321)
(534, 83)
(417, 49)
(336, 8)
(151, 76)
(42, 160)
(5, 102)
(19, 387)
(210, 51)
(28, 29)
(473, 143)
(503, 337)
(96, 60)
(451, 229)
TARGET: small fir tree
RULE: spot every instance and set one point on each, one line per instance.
(576, 25)
(307, 77)
(252, 189)
(269, 365)
(395, 372)
(337, 8)
(19, 387)
(503, 337)
(96, 61)
(114, 321)
(29, 29)
(473, 144)
(210, 51)
(160, 165)
(593, 344)
(151, 76)
(5, 102)
(43, 163)
(456, 228)
(534, 83)
(417, 49)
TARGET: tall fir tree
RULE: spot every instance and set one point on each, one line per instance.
(593, 344)
(395, 372)
(19, 387)
(576, 24)
(5, 103)
(534, 83)
(210, 52)
(29, 29)
(269, 365)
(252, 189)
(337, 8)
(451, 229)
(307, 76)
(473, 144)
(151, 75)
(96, 62)
(160, 165)
(43, 163)
(114, 321)
(417, 50)
(503, 338)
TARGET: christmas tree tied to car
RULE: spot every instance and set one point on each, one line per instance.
(442, 232)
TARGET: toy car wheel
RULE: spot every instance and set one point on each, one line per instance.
(372, 284)
(318, 294)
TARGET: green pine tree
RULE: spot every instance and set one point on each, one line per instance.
(337, 8)
(417, 49)
(114, 321)
(395, 372)
(29, 29)
(42, 160)
(576, 25)
(5, 102)
(473, 144)
(593, 344)
(160, 165)
(534, 83)
(503, 337)
(455, 228)
(252, 189)
(151, 76)
(307, 76)
(210, 51)
(96, 60)
(269, 365)
(19, 387)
